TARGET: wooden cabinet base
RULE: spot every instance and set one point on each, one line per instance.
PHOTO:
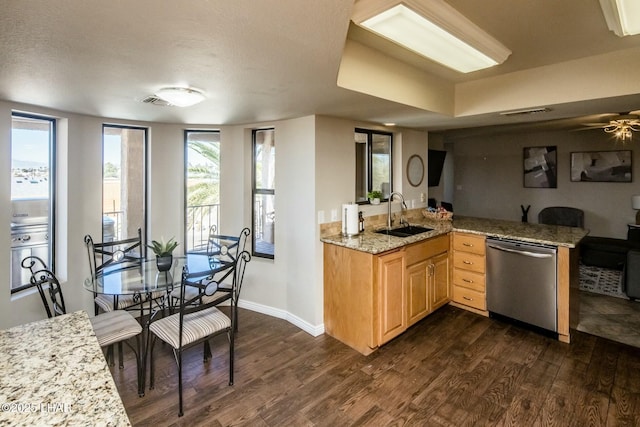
(370, 299)
(471, 309)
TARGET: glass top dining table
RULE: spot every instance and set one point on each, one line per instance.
(147, 279)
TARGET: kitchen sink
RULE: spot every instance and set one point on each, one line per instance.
(409, 230)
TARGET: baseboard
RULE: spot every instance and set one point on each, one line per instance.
(282, 314)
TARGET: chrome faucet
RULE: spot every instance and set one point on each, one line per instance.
(402, 208)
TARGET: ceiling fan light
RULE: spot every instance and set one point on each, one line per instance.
(623, 128)
(180, 96)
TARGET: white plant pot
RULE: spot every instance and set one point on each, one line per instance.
(375, 201)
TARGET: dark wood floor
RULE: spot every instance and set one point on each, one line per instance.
(454, 368)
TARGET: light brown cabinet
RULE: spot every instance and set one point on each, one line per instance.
(427, 279)
(441, 285)
(370, 299)
(391, 296)
(469, 261)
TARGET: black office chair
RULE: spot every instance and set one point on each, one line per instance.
(196, 321)
(560, 215)
(110, 328)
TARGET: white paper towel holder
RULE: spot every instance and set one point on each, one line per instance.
(345, 227)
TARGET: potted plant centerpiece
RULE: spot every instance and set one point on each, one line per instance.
(164, 252)
(374, 197)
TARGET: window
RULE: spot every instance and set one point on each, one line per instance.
(123, 181)
(373, 163)
(264, 193)
(202, 177)
(32, 193)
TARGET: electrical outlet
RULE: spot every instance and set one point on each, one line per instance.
(423, 197)
(320, 217)
(334, 214)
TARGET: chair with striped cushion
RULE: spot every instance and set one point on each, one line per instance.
(196, 322)
(111, 328)
(225, 248)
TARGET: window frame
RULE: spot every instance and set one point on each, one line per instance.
(258, 191)
(186, 180)
(369, 165)
(53, 178)
(145, 178)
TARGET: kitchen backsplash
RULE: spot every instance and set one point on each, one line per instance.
(372, 222)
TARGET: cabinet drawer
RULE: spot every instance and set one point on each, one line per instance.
(469, 297)
(468, 261)
(420, 251)
(469, 279)
(469, 243)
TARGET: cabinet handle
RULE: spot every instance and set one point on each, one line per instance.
(468, 299)
(467, 262)
(467, 280)
(468, 244)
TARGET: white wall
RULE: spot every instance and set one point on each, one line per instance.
(489, 179)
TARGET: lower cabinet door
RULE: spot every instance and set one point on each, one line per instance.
(418, 292)
(391, 296)
(440, 286)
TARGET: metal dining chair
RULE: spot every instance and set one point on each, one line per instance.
(118, 254)
(114, 327)
(224, 248)
(196, 322)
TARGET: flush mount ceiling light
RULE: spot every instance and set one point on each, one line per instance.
(434, 30)
(622, 16)
(180, 96)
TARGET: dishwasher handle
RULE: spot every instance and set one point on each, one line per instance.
(519, 252)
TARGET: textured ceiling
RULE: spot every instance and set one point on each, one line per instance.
(261, 60)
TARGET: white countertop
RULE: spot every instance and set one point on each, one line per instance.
(53, 372)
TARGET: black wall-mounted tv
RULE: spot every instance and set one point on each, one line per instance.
(435, 165)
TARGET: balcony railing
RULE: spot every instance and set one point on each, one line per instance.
(200, 218)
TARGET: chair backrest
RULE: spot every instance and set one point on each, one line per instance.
(54, 305)
(224, 247)
(121, 254)
(33, 264)
(241, 265)
(561, 215)
(207, 283)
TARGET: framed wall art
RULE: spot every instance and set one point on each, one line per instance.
(540, 167)
(601, 166)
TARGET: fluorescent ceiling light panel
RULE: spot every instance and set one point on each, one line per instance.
(622, 16)
(432, 29)
(180, 96)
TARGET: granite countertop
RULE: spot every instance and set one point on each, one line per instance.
(376, 243)
(54, 373)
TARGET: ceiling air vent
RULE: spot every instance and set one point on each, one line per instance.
(152, 99)
(528, 111)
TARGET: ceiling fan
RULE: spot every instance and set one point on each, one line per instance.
(621, 125)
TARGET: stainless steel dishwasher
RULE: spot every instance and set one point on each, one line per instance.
(521, 282)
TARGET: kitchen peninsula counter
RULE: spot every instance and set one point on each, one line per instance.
(375, 243)
(54, 373)
(356, 269)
